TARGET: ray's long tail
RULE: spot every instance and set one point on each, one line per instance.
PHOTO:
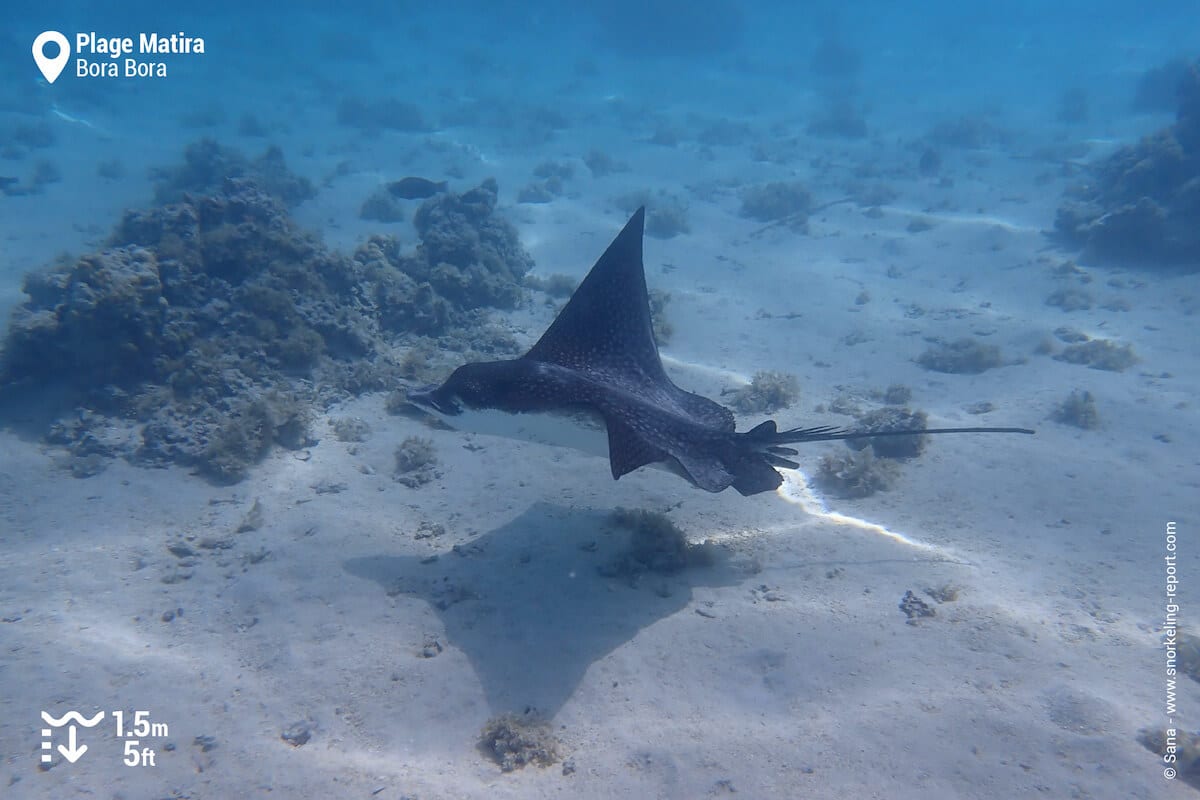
(770, 441)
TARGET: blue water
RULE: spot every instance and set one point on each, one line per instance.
(719, 57)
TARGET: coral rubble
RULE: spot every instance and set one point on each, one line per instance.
(1141, 206)
(213, 327)
(513, 740)
(207, 164)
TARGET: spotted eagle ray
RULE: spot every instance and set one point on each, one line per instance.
(596, 373)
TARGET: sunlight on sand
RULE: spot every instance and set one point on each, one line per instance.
(703, 369)
(795, 490)
(119, 641)
(952, 218)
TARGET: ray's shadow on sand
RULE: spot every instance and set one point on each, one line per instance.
(537, 601)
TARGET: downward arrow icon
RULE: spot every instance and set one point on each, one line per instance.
(71, 752)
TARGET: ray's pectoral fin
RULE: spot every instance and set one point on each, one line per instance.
(627, 450)
(754, 474)
(744, 461)
(706, 471)
(745, 470)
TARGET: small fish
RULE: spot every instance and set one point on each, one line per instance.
(6, 182)
(415, 188)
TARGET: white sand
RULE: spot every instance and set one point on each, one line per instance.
(785, 670)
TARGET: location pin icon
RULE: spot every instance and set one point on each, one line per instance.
(51, 67)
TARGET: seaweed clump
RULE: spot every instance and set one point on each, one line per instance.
(840, 118)
(514, 740)
(1142, 204)
(855, 474)
(551, 176)
(892, 419)
(381, 206)
(1102, 354)
(963, 356)
(968, 132)
(1070, 299)
(556, 284)
(666, 213)
(44, 173)
(540, 192)
(766, 393)
(667, 221)
(379, 114)
(601, 164)
(896, 394)
(663, 329)
(776, 201)
(1188, 649)
(656, 544)
(1079, 409)
(350, 429)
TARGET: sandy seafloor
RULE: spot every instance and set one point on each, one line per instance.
(784, 670)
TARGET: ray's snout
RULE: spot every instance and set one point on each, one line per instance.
(431, 398)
